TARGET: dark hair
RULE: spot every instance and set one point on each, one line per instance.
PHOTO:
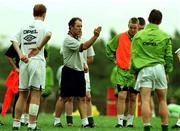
(39, 10)
(134, 20)
(73, 20)
(141, 21)
(155, 17)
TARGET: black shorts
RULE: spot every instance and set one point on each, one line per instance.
(72, 83)
(129, 89)
(152, 93)
(132, 90)
(121, 88)
(45, 95)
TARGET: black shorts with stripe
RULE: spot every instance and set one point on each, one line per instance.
(129, 89)
(72, 83)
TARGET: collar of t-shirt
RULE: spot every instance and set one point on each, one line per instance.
(75, 37)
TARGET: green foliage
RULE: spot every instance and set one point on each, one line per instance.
(100, 72)
(100, 69)
(54, 60)
(173, 94)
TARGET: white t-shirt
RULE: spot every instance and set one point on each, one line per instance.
(58, 75)
(71, 55)
(89, 52)
(31, 36)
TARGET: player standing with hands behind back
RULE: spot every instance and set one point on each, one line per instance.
(32, 71)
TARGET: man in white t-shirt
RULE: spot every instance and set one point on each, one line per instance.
(32, 38)
(72, 77)
(88, 56)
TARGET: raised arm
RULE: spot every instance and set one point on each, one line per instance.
(88, 43)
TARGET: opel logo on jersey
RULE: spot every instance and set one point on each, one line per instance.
(30, 31)
(29, 37)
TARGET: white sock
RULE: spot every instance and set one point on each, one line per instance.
(120, 119)
(153, 114)
(26, 118)
(16, 123)
(56, 120)
(130, 119)
(84, 121)
(32, 125)
(147, 124)
(90, 116)
(178, 122)
(22, 118)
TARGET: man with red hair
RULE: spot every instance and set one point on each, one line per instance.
(32, 38)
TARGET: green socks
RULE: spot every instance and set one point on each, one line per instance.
(91, 120)
(147, 128)
(164, 127)
(69, 119)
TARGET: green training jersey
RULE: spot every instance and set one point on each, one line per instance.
(118, 76)
(149, 47)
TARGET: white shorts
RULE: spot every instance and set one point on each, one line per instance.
(153, 77)
(32, 74)
(87, 79)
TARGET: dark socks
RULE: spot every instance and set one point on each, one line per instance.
(147, 128)
(90, 120)
(164, 127)
(69, 119)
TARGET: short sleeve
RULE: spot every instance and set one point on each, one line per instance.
(90, 51)
(72, 43)
(17, 37)
(11, 52)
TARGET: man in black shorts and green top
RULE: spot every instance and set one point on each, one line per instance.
(72, 79)
(119, 51)
(152, 60)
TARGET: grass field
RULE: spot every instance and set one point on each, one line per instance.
(103, 123)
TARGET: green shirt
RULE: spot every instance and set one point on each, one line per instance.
(112, 45)
(72, 56)
(118, 76)
(114, 76)
(149, 47)
(111, 48)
